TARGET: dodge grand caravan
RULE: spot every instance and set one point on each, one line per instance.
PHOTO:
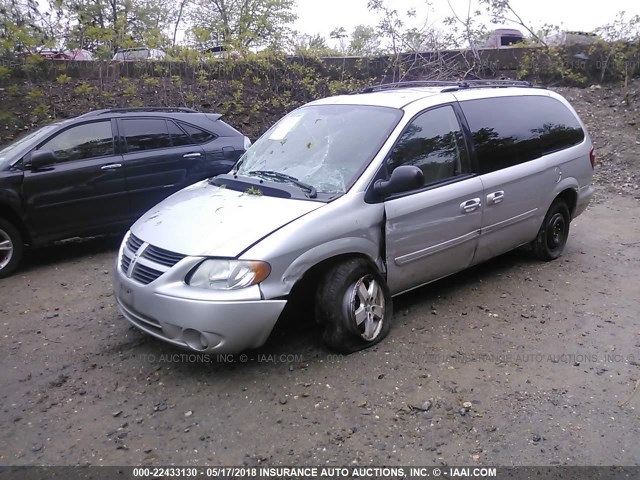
(369, 195)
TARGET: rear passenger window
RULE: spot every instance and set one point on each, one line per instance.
(178, 136)
(197, 134)
(146, 134)
(432, 142)
(507, 131)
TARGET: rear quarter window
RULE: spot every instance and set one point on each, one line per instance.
(507, 131)
(197, 135)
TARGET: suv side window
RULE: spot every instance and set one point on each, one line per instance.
(507, 131)
(145, 134)
(433, 142)
(178, 136)
(197, 134)
(82, 141)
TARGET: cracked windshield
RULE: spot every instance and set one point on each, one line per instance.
(320, 148)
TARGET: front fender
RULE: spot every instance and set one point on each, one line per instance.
(331, 249)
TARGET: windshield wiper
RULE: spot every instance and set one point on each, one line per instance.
(287, 178)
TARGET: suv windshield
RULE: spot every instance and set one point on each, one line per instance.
(325, 147)
(16, 149)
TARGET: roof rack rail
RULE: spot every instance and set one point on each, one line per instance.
(409, 84)
(139, 109)
(463, 84)
(450, 85)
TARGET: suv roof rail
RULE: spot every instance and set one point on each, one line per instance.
(408, 84)
(450, 85)
(139, 109)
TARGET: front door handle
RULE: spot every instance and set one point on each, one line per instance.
(191, 155)
(495, 197)
(111, 166)
(470, 205)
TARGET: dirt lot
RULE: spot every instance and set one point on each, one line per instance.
(548, 354)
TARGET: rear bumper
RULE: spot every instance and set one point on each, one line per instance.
(584, 197)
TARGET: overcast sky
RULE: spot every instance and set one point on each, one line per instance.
(322, 16)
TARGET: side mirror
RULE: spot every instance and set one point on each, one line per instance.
(403, 179)
(41, 158)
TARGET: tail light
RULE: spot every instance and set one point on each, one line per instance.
(592, 157)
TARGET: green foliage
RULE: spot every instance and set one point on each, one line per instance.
(150, 81)
(63, 79)
(5, 73)
(365, 42)
(41, 111)
(24, 27)
(548, 64)
(6, 118)
(130, 90)
(84, 89)
(253, 191)
(35, 94)
(103, 26)
(240, 25)
(13, 90)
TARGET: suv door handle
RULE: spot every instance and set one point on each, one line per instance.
(191, 155)
(470, 205)
(111, 166)
(495, 197)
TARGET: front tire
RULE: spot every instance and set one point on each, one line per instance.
(354, 305)
(553, 233)
(11, 248)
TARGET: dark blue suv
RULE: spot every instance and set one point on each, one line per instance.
(97, 173)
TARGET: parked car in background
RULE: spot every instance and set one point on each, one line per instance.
(571, 38)
(358, 198)
(138, 54)
(48, 54)
(502, 38)
(79, 55)
(97, 173)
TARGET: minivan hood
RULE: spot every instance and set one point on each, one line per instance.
(206, 220)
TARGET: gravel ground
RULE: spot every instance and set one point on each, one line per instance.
(514, 362)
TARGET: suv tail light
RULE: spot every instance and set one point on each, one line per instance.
(592, 157)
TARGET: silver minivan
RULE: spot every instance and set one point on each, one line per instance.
(362, 197)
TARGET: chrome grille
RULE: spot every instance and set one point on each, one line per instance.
(125, 262)
(144, 274)
(162, 256)
(134, 243)
(151, 263)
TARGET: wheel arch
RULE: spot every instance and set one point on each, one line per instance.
(570, 196)
(10, 215)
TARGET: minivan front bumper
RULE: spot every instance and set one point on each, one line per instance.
(194, 318)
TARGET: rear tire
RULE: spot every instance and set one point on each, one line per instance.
(353, 303)
(553, 233)
(11, 248)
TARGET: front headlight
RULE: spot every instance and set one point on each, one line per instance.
(220, 274)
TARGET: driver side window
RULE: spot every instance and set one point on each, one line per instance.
(433, 142)
(83, 141)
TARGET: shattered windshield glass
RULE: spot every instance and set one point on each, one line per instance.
(324, 147)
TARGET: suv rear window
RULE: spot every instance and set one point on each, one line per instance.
(507, 131)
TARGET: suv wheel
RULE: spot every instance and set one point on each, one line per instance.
(354, 305)
(11, 248)
(553, 233)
